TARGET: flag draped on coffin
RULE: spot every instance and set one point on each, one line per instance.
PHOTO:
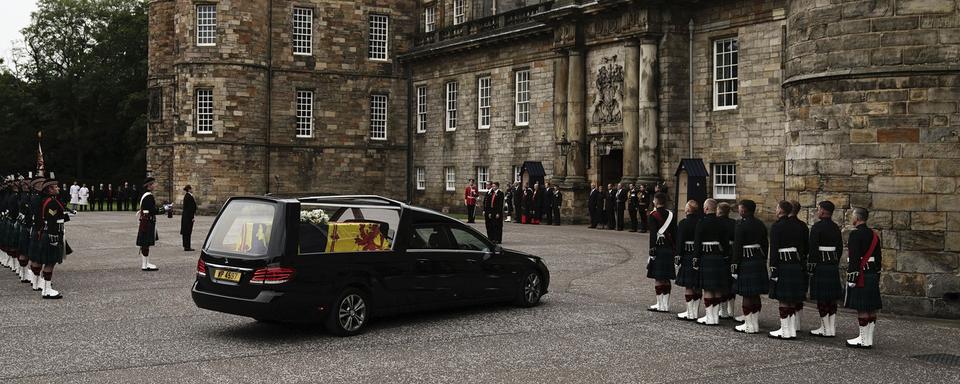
(254, 238)
(356, 237)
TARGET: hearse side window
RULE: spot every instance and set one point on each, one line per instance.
(244, 228)
(428, 237)
(468, 241)
(334, 229)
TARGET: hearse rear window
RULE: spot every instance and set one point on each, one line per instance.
(244, 228)
(326, 228)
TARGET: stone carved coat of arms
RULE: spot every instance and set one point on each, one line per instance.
(608, 100)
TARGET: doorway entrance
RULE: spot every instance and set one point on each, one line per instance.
(611, 167)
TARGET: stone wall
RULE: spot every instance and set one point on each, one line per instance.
(501, 147)
(872, 93)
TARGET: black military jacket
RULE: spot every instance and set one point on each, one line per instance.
(654, 225)
(825, 233)
(710, 228)
(858, 243)
(749, 231)
(787, 232)
(686, 230)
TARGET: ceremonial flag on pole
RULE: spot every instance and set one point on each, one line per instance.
(40, 166)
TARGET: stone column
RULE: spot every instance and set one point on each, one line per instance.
(631, 127)
(649, 105)
(576, 119)
(560, 67)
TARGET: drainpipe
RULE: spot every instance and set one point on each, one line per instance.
(411, 125)
(269, 106)
(690, 123)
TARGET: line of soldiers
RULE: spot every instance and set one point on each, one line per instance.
(122, 198)
(607, 206)
(32, 230)
(716, 258)
(528, 205)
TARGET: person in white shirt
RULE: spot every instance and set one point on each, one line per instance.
(74, 195)
(84, 194)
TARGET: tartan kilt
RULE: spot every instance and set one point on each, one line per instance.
(147, 234)
(825, 284)
(23, 243)
(752, 278)
(661, 266)
(688, 277)
(48, 254)
(866, 298)
(34, 252)
(791, 283)
(714, 273)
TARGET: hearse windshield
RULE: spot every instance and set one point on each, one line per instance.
(244, 228)
(332, 228)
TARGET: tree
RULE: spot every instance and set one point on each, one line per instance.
(83, 71)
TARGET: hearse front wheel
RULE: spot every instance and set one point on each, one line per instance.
(531, 289)
(349, 314)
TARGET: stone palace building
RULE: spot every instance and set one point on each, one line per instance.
(855, 101)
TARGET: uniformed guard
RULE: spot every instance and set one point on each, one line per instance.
(53, 244)
(27, 214)
(805, 230)
(508, 200)
(7, 194)
(688, 275)
(633, 206)
(826, 246)
(147, 233)
(749, 264)
(788, 243)
(729, 297)
(710, 238)
(470, 195)
(863, 277)
(662, 250)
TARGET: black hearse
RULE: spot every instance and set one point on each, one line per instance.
(341, 259)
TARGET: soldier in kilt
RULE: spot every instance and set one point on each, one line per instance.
(147, 233)
(688, 275)
(662, 250)
(863, 277)
(798, 306)
(52, 248)
(7, 193)
(826, 245)
(711, 246)
(729, 297)
(26, 229)
(749, 265)
(787, 249)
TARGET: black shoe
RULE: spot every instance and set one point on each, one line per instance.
(189, 249)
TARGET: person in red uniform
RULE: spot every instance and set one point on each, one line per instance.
(470, 195)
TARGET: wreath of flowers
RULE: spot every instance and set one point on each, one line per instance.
(316, 217)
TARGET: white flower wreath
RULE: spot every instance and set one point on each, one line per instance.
(316, 217)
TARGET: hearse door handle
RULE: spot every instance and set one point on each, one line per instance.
(471, 260)
(423, 261)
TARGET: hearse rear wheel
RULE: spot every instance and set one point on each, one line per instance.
(350, 313)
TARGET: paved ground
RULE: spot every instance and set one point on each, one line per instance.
(117, 324)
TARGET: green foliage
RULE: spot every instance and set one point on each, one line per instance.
(81, 78)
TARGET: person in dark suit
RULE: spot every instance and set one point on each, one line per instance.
(132, 195)
(493, 213)
(187, 217)
(621, 205)
(593, 203)
(557, 204)
(633, 205)
(863, 277)
(122, 191)
(643, 199)
(518, 203)
(610, 207)
(548, 203)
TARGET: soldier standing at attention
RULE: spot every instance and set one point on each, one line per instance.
(470, 195)
(711, 246)
(147, 234)
(729, 298)
(53, 245)
(633, 204)
(593, 203)
(826, 246)
(508, 200)
(621, 206)
(662, 249)
(863, 277)
(788, 243)
(644, 198)
(749, 264)
(688, 276)
(801, 226)
(187, 217)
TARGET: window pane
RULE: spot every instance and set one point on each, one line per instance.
(206, 24)
(378, 117)
(378, 37)
(304, 113)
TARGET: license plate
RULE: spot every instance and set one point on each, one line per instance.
(222, 274)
